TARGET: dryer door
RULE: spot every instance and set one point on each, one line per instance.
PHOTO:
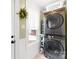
(54, 21)
(55, 24)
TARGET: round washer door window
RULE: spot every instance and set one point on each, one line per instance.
(54, 21)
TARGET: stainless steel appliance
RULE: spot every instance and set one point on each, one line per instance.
(55, 34)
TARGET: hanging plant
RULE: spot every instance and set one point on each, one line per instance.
(22, 13)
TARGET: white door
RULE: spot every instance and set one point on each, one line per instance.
(17, 43)
(12, 31)
(22, 48)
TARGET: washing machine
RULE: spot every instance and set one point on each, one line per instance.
(55, 34)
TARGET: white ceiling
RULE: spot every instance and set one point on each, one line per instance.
(43, 3)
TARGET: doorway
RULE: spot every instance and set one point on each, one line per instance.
(32, 28)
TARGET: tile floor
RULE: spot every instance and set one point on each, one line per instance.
(40, 56)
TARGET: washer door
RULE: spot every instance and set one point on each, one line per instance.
(53, 47)
(54, 21)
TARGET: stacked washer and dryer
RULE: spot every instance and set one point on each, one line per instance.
(55, 34)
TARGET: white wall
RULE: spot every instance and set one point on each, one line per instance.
(33, 17)
(33, 22)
